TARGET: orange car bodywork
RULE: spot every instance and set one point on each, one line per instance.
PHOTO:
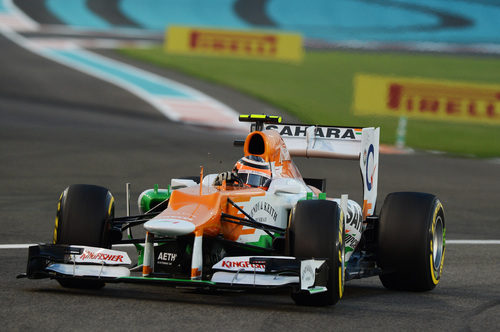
(204, 210)
(274, 151)
(204, 206)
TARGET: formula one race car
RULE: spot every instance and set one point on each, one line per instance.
(260, 225)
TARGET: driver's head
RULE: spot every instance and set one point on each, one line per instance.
(253, 171)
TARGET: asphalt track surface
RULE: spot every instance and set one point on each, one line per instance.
(59, 126)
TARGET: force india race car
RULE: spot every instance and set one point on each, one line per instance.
(205, 234)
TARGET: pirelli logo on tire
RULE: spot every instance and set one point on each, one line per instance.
(426, 99)
(233, 43)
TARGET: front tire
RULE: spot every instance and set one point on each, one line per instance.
(84, 214)
(411, 241)
(316, 230)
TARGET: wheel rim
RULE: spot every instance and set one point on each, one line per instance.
(437, 243)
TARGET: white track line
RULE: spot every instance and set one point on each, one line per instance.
(473, 241)
(26, 246)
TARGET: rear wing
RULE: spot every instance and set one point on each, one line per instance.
(313, 141)
(321, 141)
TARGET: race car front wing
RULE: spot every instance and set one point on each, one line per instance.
(112, 266)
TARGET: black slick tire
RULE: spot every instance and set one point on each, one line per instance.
(316, 230)
(411, 241)
(84, 214)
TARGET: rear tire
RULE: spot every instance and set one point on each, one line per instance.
(83, 217)
(411, 241)
(316, 230)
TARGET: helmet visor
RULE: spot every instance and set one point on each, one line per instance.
(253, 180)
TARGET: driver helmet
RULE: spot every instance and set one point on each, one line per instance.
(253, 171)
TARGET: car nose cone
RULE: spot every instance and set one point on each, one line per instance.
(169, 227)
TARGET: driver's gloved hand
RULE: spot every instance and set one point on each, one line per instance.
(228, 176)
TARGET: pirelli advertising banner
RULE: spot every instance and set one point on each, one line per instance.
(231, 43)
(426, 99)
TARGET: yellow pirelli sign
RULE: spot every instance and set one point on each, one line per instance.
(231, 43)
(426, 99)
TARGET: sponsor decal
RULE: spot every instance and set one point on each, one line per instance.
(322, 132)
(238, 264)
(353, 227)
(166, 258)
(234, 43)
(307, 274)
(99, 256)
(241, 264)
(220, 41)
(370, 167)
(426, 98)
(350, 242)
(169, 257)
(265, 207)
(354, 217)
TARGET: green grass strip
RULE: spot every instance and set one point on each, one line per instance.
(320, 90)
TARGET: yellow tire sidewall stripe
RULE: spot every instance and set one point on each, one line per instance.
(56, 226)
(111, 202)
(435, 279)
